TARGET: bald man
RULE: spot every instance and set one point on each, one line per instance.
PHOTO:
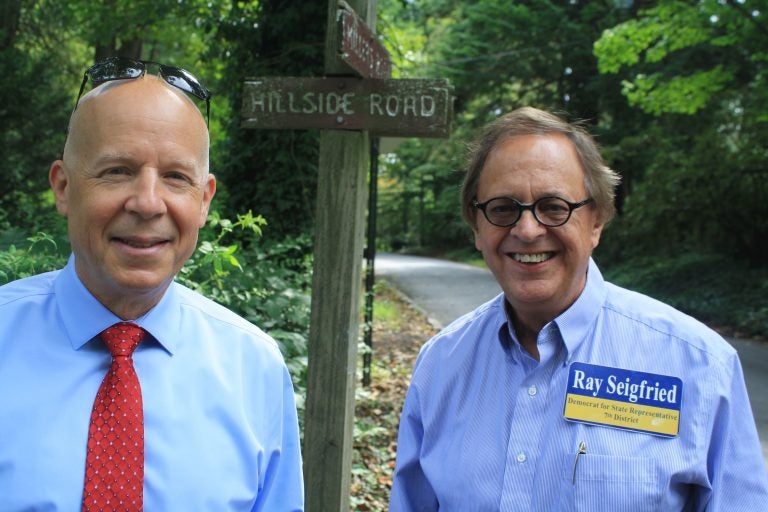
(215, 408)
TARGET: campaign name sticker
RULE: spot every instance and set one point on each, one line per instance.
(625, 399)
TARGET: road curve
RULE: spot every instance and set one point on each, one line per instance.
(445, 290)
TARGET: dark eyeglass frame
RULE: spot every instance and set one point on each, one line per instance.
(532, 208)
(124, 68)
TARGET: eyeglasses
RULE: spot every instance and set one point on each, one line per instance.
(123, 68)
(548, 211)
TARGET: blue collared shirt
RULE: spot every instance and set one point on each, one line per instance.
(482, 428)
(221, 431)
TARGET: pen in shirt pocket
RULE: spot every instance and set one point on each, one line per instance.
(582, 450)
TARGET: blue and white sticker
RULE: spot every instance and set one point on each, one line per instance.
(625, 399)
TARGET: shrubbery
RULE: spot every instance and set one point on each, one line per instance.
(716, 289)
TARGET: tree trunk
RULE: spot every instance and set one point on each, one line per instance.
(10, 12)
(131, 48)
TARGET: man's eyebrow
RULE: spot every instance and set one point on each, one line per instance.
(119, 157)
(106, 159)
(554, 193)
(181, 163)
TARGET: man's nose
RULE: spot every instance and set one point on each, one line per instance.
(146, 199)
(527, 226)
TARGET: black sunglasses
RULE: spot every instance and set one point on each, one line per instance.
(123, 68)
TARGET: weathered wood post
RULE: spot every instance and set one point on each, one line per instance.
(338, 253)
(354, 99)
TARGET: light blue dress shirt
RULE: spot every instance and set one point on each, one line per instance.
(482, 428)
(221, 431)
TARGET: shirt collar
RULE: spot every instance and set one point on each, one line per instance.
(574, 324)
(84, 317)
(164, 320)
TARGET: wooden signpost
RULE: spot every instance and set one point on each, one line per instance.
(348, 109)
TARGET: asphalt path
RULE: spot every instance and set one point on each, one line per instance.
(445, 290)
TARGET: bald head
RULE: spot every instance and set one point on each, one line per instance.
(148, 98)
(135, 188)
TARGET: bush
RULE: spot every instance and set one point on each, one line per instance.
(716, 289)
(42, 253)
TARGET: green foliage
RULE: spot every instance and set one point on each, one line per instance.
(41, 254)
(705, 194)
(710, 287)
(212, 262)
(681, 56)
(221, 42)
(668, 27)
(679, 95)
(498, 56)
(674, 92)
(418, 199)
(273, 171)
(26, 115)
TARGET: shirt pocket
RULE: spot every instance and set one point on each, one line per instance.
(606, 482)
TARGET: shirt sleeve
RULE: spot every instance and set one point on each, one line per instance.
(283, 487)
(737, 472)
(411, 490)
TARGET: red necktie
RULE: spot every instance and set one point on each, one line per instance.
(114, 466)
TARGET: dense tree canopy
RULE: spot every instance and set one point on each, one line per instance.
(47, 44)
(700, 71)
(674, 91)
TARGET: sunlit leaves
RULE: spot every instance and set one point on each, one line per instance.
(667, 28)
(680, 94)
(682, 55)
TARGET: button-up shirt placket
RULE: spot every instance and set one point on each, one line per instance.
(529, 419)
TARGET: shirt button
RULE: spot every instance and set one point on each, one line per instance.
(532, 390)
(521, 457)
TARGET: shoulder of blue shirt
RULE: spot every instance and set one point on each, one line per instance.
(643, 311)
(42, 284)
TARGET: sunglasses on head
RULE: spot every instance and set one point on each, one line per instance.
(123, 68)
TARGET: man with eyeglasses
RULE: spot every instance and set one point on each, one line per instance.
(566, 392)
(121, 389)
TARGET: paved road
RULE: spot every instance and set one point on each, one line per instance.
(446, 290)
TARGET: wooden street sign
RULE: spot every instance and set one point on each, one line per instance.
(415, 107)
(359, 47)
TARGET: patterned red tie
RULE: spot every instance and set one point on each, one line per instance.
(114, 466)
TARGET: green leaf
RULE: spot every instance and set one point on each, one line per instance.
(679, 95)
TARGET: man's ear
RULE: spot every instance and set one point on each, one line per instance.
(209, 190)
(597, 230)
(57, 177)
